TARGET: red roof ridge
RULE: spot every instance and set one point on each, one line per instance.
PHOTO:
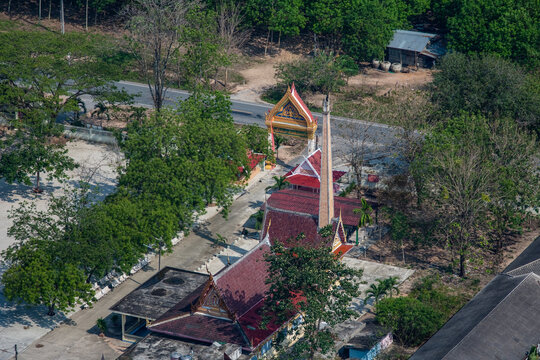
(300, 102)
(172, 318)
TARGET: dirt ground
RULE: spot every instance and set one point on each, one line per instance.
(434, 259)
(291, 149)
(259, 75)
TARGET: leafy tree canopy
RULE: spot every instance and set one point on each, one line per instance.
(508, 28)
(44, 74)
(323, 288)
(487, 85)
(188, 157)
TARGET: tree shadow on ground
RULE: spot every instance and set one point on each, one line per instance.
(13, 314)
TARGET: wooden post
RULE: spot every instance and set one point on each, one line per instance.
(123, 327)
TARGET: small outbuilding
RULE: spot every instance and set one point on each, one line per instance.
(414, 48)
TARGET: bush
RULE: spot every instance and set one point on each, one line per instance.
(101, 325)
(412, 322)
(321, 73)
(486, 85)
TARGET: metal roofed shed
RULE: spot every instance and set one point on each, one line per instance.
(156, 296)
(413, 48)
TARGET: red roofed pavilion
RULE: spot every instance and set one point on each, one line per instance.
(307, 175)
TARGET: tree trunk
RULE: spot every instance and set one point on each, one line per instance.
(62, 26)
(461, 264)
(266, 44)
(51, 310)
(9, 9)
(279, 40)
(36, 188)
(95, 17)
(226, 77)
(86, 16)
(50, 8)
(39, 15)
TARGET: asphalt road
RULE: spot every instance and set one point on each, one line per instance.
(381, 137)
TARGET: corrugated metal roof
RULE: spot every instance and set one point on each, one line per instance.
(410, 40)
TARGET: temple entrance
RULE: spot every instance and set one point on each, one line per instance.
(292, 117)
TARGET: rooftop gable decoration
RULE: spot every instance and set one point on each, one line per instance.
(291, 116)
(307, 174)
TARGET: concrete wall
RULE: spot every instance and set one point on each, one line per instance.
(89, 134)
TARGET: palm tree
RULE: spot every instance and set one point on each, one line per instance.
(391, 284)
(259, 217)
(376, 291)
(278, 141)
(365, 216)
(281, 182)
(102, 109)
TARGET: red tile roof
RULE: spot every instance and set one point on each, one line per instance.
(285, 228)
(201, 328)
(297, 97)
(251, 325)
(343, 249)
(302, 177)
(242, 285)
(254, 159)
(304, 202)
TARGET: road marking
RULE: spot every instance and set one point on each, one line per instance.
(242, 112)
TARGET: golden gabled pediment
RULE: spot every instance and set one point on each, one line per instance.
(288, 116)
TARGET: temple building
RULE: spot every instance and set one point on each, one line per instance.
(292, 117)
(222, 309)
(291, 212)
(307, 175)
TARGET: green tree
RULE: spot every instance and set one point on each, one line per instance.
(322, 288)
(457, 175)
(376, 291)
(43, 75)
(411, 321)
(204, 53)
(188, 157)
(321, 73)
(487, 85)
(391, 284)
(365, 216)
(480, 178)
(288, 18)
(43, 262)
(259, 218)
(280, 183)
(257, 139)
(508, 28)
(369, 26)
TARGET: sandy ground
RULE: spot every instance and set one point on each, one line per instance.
(97, 165)
(260, 75)
(388, 80)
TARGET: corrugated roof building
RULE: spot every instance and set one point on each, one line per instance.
(414, 48)
(501, 322)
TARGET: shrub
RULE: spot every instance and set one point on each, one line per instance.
(411, 321)
(101, 325)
